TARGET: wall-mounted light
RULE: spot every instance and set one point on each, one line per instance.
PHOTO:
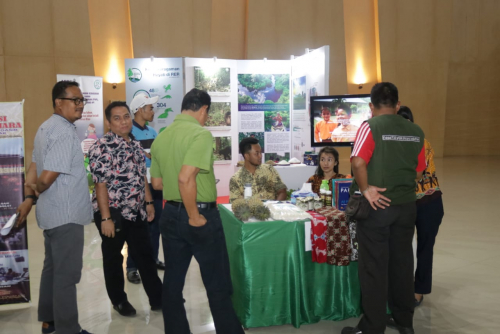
(265, 59)
(215, 59)
(114, 75)
(152, 58)
(359, 76)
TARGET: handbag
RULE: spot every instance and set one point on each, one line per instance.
(358, 207)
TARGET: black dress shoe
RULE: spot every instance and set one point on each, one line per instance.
(156, 308)
(125, 309)
(160, 265)
(391, 323)
(133, 277)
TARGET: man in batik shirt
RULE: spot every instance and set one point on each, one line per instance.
(123, 206)
(265, 180)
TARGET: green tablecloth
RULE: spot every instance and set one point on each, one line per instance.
(275, 281)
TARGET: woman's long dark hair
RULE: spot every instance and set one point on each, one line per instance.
(327, 150)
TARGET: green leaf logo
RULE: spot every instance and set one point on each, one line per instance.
(165, 113)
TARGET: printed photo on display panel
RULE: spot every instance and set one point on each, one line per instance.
(222, 150)
(299, 93)
(213, 79)
(219, 117)
(263, 88)
(276, 121)
(276, 157)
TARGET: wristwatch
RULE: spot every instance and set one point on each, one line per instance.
(33, 197)
(150, 202)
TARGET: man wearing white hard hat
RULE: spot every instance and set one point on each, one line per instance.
(142, 107)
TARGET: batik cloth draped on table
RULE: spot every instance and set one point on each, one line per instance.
(339, 234)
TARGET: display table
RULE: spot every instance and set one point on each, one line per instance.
(275, 281)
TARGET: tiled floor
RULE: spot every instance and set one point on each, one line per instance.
(465, 298)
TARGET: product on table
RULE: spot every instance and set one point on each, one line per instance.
(328, 198)
(318, 203)
(262, 213)
(241, 209)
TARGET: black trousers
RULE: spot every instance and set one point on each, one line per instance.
(429, 217)
(207, 244)
(386, 266)
(136, 234)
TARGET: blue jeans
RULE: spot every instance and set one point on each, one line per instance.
(207, 244)
(154, 229)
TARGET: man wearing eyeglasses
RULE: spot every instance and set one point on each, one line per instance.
(143, 110)
(57, 175)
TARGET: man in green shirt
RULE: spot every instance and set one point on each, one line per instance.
(190, 225)
(387, 158)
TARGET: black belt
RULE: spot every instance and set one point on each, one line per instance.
(200, 205)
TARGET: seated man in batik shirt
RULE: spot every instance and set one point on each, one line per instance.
(265, 180)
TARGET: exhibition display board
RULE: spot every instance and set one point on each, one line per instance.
(275, 281)
(309, 78)
(219, 78)
(14, 272)
(162, 77)
(250, 98)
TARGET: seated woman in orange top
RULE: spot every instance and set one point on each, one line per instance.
(328, 168)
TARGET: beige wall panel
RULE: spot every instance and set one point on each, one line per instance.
(71, 28)
(338, 81)
(422, 87)
(274, 31)
(473, 112)
(423, 30)
(388, 16)
(202, 22)
(140, 26)
(228, 29)
(1, 29)
(388, 70)
(329, 28)
(77, 66)
(27, 28)
(295, 25)
(262, 40)
(3, 93)
(489, 35)
(361, 51)
(171, 25)
(32, 79)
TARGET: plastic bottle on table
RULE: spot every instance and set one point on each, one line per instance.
(328, 199)
(322, 191)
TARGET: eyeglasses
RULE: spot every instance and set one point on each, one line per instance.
(76, 100)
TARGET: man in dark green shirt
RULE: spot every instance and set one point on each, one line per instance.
(190, 225)
(387, 159)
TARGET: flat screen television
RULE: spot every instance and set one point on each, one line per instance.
(335, 119)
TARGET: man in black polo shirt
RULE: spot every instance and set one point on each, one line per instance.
(387, 159)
